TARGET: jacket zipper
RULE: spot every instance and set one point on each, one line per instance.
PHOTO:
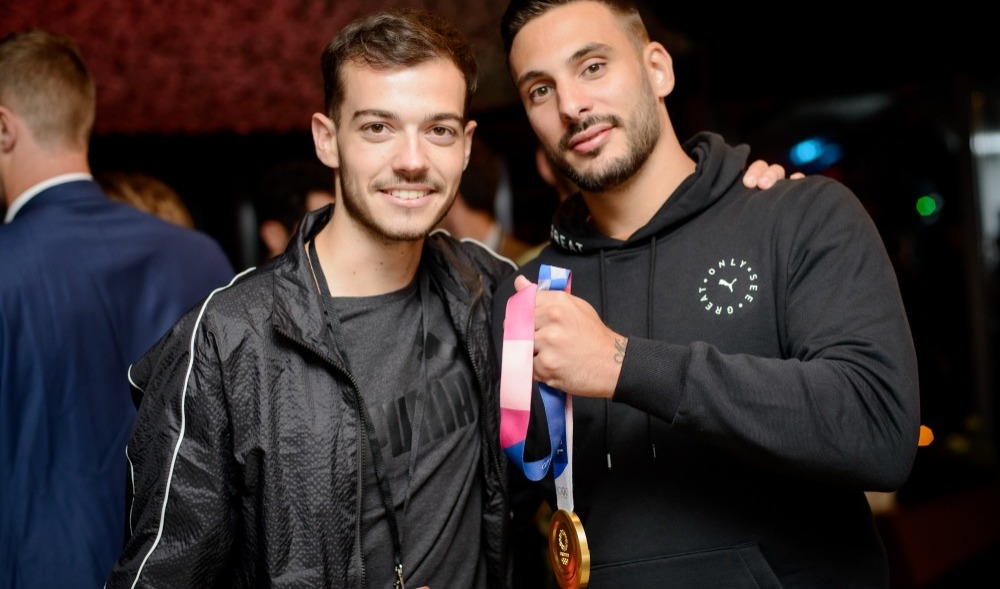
(494, 460)
(361, 455)
(491, 447)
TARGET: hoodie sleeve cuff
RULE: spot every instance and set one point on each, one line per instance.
(652, 377)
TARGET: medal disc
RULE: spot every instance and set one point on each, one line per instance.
(568, 550)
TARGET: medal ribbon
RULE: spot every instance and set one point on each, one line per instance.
(516, 388)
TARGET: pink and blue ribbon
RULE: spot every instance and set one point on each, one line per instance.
(516, 382)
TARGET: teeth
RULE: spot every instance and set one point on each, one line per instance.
(408, 194)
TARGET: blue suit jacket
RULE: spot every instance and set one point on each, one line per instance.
(87, 285)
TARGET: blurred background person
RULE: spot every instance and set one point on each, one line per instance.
(561, 186)
(148, 194)
(474, 213)
(87, 284)
(286, 192)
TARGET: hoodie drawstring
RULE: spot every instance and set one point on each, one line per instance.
(607, 402)
(650, 333)
(650, 327)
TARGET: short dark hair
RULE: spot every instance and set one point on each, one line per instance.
(521, 12)
(44, 79)
(394, 38)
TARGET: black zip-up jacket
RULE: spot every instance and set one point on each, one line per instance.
(769, 380)
(245, 453)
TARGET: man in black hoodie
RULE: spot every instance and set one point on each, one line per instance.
(740, 362)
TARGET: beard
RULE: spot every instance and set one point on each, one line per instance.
(355, 204)
(642, 132)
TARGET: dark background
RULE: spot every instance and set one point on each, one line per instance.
(206, 95)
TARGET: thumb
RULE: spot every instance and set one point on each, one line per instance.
(520, 283)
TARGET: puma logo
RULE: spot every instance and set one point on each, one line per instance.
(728, 285)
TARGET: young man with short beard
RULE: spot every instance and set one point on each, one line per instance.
(278, 439)
(740, 363)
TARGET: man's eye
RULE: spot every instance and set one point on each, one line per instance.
(376, 128)
(594, 68)
(538, 92)
(442, 131)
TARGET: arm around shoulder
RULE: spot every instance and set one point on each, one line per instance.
(837, 397)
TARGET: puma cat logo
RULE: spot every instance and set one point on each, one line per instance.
(728, 285)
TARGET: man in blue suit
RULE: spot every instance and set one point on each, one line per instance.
(87, 284)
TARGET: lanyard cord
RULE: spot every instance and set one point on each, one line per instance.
(377, 461)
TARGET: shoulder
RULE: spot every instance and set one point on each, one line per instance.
(808, 202)
(809, 192)
(244, 298)
(240, 305)
(232, 312)
(821, 200)
(814, 217)
(470, 254)
(181, 259)
(183, 240)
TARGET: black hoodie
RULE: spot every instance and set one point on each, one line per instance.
(769, 380)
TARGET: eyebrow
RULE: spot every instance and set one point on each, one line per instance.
(373, 112)
(385, 114)
(577, 55)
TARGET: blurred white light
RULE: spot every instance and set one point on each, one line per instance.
(986, 143)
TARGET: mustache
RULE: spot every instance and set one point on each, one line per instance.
(583, 125)
(422, 179)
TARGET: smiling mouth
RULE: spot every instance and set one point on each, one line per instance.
(587, 135)
(590, 144)
(407, 194)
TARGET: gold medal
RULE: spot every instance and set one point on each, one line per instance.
(568, 550)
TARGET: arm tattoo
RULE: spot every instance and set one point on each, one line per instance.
(620, 345)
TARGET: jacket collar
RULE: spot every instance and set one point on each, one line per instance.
(298, 305)
(83, 186)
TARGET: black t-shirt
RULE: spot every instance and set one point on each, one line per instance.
(382, 337)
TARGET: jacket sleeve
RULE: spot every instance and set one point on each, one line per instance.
(841, 405)
(182, 518)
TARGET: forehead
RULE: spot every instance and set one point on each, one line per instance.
(554, 37)
(430, 88)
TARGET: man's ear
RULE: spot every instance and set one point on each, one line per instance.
(324, 133)
(660, 68)
(8, 129)
(470, 129)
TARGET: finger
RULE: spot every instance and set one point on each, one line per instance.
(773, 173)
(520, 283)
(797, 176)
(753, 173)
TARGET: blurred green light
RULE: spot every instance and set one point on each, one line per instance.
(926, 206)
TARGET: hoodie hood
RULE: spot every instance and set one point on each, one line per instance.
(719, 166)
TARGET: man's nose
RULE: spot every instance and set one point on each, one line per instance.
(574, 101)
(411, 156)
